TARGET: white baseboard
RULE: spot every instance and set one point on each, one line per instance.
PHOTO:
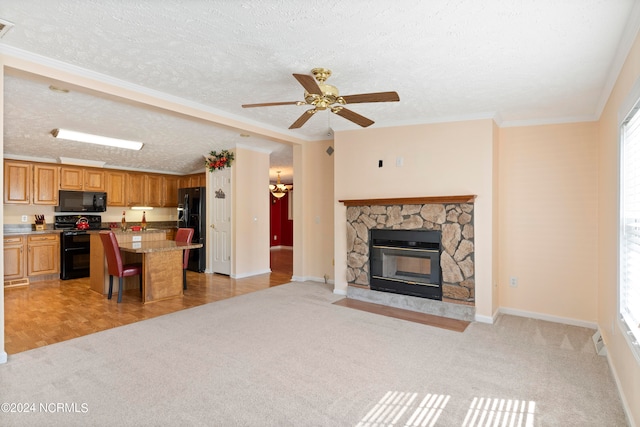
(3, 357)
(485, 319)
(548, 318)
(340, 292)
(254, 273)
(275, 248)
(625, 404)
(311, 279)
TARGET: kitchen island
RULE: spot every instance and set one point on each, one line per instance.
(161, 267)
(99, 273)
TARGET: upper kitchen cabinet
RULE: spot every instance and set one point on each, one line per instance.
(154, 189)
(116, 185)
(193, 180)
(45, 184)
(26, 183)
(170, 191)
(17, 182)
(82, 179)
(135, 189)
(94, 180)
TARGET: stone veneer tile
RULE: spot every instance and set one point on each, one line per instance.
(455, 220)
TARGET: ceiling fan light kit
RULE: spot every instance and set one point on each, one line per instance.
(322, 96)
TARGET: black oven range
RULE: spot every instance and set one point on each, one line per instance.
(74, 244)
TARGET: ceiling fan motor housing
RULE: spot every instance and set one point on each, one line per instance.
(330, 95)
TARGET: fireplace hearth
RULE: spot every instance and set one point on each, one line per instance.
(406, 262)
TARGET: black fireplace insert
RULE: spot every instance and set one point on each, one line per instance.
(406, 262)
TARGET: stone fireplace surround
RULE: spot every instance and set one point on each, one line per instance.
(452, 215)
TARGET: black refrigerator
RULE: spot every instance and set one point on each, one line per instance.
(192, 214)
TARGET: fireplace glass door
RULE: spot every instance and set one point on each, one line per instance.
(409, 265)
(406, 262)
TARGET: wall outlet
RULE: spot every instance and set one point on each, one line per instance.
(24, 218)
(513, 282)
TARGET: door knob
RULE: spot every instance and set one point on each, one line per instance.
(213, 226)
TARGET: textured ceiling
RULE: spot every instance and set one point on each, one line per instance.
(537, 61)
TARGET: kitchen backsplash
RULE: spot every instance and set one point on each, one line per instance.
(13, 214)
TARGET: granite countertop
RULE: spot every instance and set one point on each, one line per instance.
(27, 229)
(130, 231)
(24, 229)
(157, 246)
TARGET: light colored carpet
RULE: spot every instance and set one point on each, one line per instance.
(286, 356)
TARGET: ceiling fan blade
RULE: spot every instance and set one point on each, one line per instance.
(372, 97)
(309, 83)
(302, 119)
(354, 117)
(270, 104)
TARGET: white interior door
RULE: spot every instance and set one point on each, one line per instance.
(220, 227)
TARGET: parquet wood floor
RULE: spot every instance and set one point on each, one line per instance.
(52, 311)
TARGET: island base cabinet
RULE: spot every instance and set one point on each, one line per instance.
(160, 269)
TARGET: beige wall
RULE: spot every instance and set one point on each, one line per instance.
(625, 366)
(313, 236)
(548, 220)
(250, 229)
(437, 159)
(495, 208)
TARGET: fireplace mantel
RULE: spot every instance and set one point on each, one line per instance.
(410, 200)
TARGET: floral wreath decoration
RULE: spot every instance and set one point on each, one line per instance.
(219, 160)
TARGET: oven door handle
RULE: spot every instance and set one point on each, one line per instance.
(82, 248)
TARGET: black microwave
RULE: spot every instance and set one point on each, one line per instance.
(82, 201)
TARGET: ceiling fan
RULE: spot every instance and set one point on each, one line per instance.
(322, 96)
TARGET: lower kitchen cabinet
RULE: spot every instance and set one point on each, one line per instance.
(43, 254)
(30, 256)
(14, 260)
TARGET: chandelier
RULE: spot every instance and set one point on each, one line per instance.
(278, 190)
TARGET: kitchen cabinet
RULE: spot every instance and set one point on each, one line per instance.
(135, 189)
(94, 180)
(153, 190)
(170, 198)
(17, 182)
(45, 184)
(82, 179)
(38, 184)
(71, 178)
(14, 259)
(27, 183)
(193, 180)
(116, 185)
(43, 255)
(145, 189)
